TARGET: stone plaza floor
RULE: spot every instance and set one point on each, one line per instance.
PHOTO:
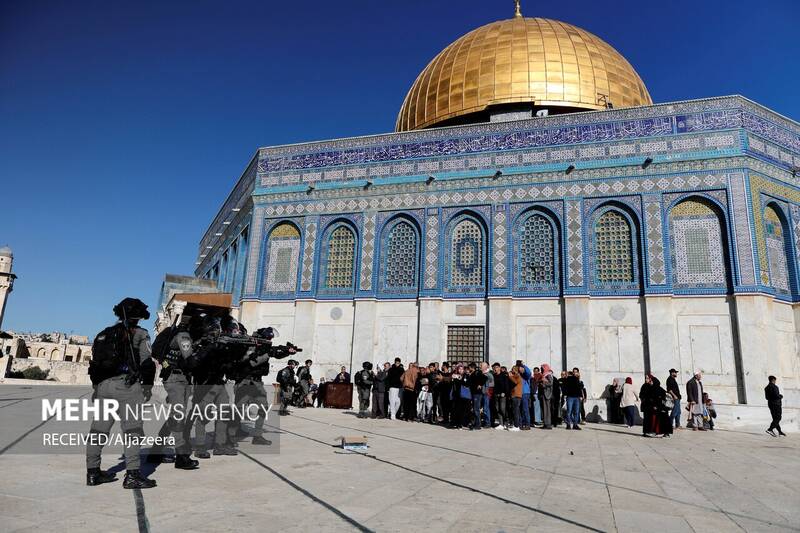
(417, 477)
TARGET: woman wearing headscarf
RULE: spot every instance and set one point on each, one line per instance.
(652, 397)
(614, 397)
(629, 401)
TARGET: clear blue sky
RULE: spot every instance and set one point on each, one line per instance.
(123, 125)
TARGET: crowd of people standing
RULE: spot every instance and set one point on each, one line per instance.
(476, 395)
(473, 395)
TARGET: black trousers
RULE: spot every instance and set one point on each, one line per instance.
(777, 412)
(409, 404)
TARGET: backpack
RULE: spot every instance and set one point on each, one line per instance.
(109, 354)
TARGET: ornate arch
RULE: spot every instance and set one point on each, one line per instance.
(466, 255)
(615, 252)
(698, 245)
(777, 237)
(536, 256)
(399, 258)
(338, 258)
(281, 259)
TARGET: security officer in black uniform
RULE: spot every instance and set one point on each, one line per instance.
(304, 382)
(208, 365)
(121, 369)
(249, 388)
(173, 348)
(287, 382)
(364, 381)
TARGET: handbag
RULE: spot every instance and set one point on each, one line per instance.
(669, 403)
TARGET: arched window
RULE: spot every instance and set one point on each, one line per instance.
(340, 258)
(467, 255)
(613, 249)
(399, 258)
(776, 236)
(537, 259)
(283, 251)
(698, 253)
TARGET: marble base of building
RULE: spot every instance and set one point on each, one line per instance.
(735, 341)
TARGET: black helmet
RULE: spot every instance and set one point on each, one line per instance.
(367, 365)
(265, 333)
(131, 308)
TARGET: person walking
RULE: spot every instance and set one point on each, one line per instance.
(674, 392)
(629, 401)
(694, 398)
(774, 402)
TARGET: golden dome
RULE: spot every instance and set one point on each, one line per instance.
(536, 61)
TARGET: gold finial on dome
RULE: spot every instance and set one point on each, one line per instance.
(517, 8)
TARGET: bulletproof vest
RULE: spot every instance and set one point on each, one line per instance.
(111, 354)
(180, 349)
(365, 379)
(286, 377)
(303, 373)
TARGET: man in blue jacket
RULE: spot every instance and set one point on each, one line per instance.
(525, 374)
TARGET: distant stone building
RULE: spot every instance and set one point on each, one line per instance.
(66, 357)
(6, 278)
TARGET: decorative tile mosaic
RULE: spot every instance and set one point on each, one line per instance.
(280, 268)
(307, 278)
(741, 224)
(613, 253)
(500, 247)
(655, 241)
(796, 221)
(431, 248)
(367, 252)
(399, 258)
(255, 251)
(776, 238)
(466, 259)
(537, 263)
(574, 243)
(698, 258)
(760, 185)
(340, 258)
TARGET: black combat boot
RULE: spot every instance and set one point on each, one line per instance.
(95, 476)
(135, 480)
(258, 439)
(160, 457)
(185, 462)
(225, 450)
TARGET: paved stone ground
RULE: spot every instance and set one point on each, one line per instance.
(418, 477)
